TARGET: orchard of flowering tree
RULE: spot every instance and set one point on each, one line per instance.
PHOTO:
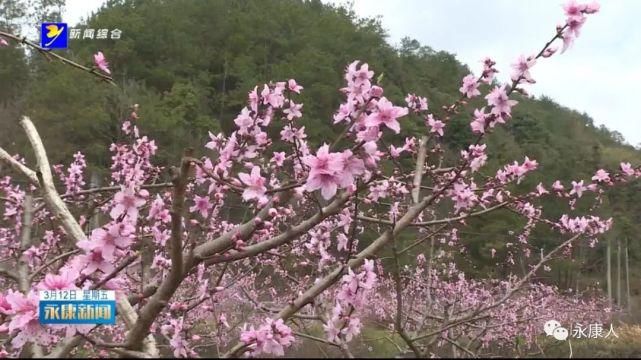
(331, 240)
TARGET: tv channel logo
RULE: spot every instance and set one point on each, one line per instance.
(54, 36)
(77, 307)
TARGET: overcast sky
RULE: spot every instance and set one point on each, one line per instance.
(597, 75)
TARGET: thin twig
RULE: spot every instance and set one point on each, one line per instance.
(48, 53)
(50, 262)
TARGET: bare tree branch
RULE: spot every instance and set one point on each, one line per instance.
(418, 173)
(439, 221)
(50, 262)
(25, 243)
(333, 208)
(64, 60)
(19, 167)
(57, 206)
(115, 188)
(169, 285)
(398, 323)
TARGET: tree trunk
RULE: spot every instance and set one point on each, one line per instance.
(619, 297)
(608, 272)
(627, 278)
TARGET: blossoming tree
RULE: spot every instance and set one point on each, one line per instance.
(198, 280)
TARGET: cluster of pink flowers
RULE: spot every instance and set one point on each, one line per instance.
(255, 185)
(126, 202)
(64, 281)
(416, 103)
(520, 317)
(23, 323)
(131, 164)
(436, 126)
(521, 68)
(344, 324)
(391, 187)
(578, 188)
(227, 150)
(385, 113)
(102, 245)
(591, 225)
(498, 99)
(409, 146)
(489, 71)
(575, 19)
(515, 171)
(359, 85)
(463, 195)
(500, 103)
(159, 215)
(101, 62)
(12, 207)
(627, 169)
(366, 106)
(177, 341)
(106, 244)
(318, 241)
(470, 86)
(271, 337)
(601, 176)
(250, 139)
(74, 179)
(330, 171)
(476, 156)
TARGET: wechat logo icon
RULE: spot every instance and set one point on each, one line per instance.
(553, 328)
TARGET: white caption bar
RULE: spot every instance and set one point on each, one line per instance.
(77, 295)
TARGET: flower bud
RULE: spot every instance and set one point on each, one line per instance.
(376, 91)
(549, 52)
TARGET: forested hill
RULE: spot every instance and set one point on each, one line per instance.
(190, 63)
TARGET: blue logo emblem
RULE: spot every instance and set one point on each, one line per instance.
(77, 307)
(54, 35)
